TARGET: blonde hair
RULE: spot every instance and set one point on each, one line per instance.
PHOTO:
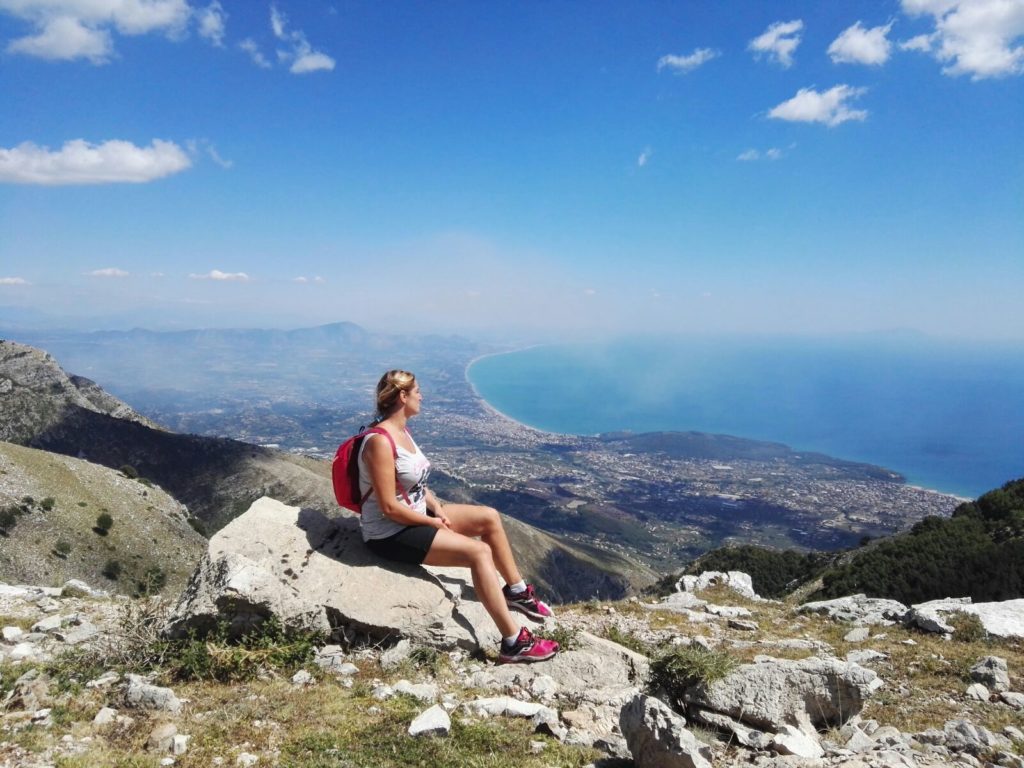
(390, 386)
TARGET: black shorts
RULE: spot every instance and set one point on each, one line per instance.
(409, 545)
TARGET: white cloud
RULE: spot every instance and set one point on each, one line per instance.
(829, 107)
(81, 29)
(922, 43)
(750, 155)
(319, 280)
(778, 41)
(645, 157)
(216, 274)
(301, 55)
(108, 272)
(300, 279)
(249, 46)
(857, 45)
(14, 281)
(683, 64)
(980, 38)
(589, 292)
(79, 162)
(215, 156)
(211, 20)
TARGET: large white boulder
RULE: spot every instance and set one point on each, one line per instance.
(657, 736)
(313, 572)
(1000, 619)
(809, 693)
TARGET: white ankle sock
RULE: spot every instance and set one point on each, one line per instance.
(511, 639)
(519, 586)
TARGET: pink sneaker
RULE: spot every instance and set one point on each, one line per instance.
(527, 602)
(527, 649)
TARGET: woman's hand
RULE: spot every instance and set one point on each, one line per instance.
(442, 520)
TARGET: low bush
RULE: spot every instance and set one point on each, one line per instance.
(680, 668)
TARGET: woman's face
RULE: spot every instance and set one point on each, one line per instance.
(413, 399)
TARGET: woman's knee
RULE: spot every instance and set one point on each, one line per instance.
(490, 518)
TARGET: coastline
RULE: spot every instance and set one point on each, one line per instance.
(494, 411)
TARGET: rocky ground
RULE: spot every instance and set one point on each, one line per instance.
(86, 681)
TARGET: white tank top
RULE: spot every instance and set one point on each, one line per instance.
(413, 469)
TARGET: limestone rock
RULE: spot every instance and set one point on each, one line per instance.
(657, 736)
(1015, 700)
(1000, 619)
(142, 695)
(432, 721)
(312, 572)
(993, 673)
(748, 737)
(977, 692)
(858, 609)
(857, 635)
(807, 693)
(161, 738)
(793, 741)
(737, 581)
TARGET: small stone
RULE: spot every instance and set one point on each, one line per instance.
(543, 687)
(104, 717)
(246, 759)
(421, 691)
(742, 625)
(793, 741)
(12, 633)
(161, 738)
(107, 678)
(1015, 700)
(395, 655)
(167, 761)
(23, 651)
(142, 695)
(432, 721)
(536, 747)
(180, 746)
(348, 669)
(1013, 732)
(992, 672)
(302, 677)
(50, 624)
(977, 692)
(857, 635)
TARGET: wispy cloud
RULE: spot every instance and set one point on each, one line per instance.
(857, 45)
(301, 55)
(303, 279)
(751, 155)
(107, 272)
(980, 38)
(14, 281)
(252, 48)
(829, 107)
(645, 157)
(79, 162)
(85, 29)
(680, 65)
(778, 42)
(216, 274)
(211, 21)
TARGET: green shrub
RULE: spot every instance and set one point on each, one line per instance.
(215, 657)
(680, 668)
(112, 570)
(628, 640)
(153, 580)
(198, 526)
(62, 548)
(28, 500)
(8, 519)
(104, 522)
(129, 471)
(967, 627)
(48, 503)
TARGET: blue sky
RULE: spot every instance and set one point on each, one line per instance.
(547, 168)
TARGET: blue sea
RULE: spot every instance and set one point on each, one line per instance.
(948, 416)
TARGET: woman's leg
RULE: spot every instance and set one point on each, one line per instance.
(485, 522)
(451, 548)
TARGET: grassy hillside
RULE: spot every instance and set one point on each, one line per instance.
(50, 530)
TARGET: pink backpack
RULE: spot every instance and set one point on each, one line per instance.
(345, 471)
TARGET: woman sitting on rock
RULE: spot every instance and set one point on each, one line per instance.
(403, 520)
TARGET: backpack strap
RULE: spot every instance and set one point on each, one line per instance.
(394, 455)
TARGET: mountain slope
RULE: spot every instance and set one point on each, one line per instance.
(47, 499)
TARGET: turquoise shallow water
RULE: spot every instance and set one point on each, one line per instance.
(948, 416)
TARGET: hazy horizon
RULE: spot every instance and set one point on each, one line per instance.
(552, 170)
